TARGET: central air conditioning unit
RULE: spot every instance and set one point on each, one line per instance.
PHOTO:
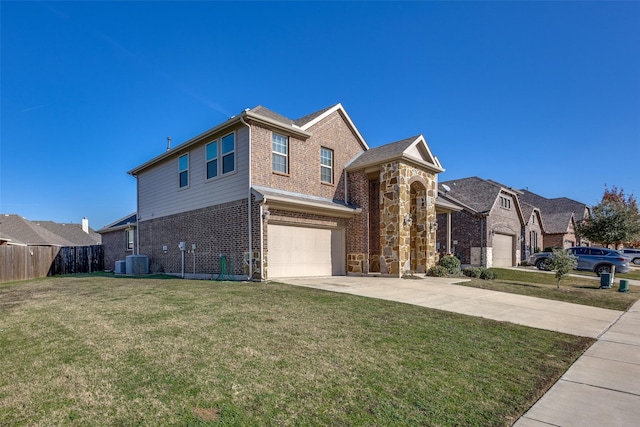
(121, 267)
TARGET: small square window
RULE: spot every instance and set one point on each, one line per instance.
(326, 165)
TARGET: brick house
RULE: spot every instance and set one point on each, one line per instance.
(560, 216)
(533, 230)
(262, 196)
(119, 240)
(487, 231)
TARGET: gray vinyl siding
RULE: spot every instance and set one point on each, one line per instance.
(159, 193)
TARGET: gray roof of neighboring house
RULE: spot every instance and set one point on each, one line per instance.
(557, 222)
(22, 231)
(384, 152)
(72, 233)
(477, 193)
(557, 205)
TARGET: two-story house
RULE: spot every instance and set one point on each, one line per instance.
(265, 196)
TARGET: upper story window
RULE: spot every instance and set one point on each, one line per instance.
(220, 156)
(228, 153)
(183, 170)
(505, 202)
(326, 165)
(280, 153)
(212, 159)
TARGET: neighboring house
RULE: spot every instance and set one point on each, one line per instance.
(118, 240)
(560, 216)
(20, 231)
(533, 230)
(77, 234)
(262, 196)
(487, 231)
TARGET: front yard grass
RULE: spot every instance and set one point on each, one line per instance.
(118, 351)
(578, 290)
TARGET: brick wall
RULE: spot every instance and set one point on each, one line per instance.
(115, 248)
(216, 230)
(304, 158)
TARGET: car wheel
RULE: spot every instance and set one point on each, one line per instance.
(602, 269)
(542, 264)
(636, 261)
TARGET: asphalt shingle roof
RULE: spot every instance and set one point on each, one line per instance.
(23, 231)
(557, 205)
(384, 152)
(477, 193)
(72, 233)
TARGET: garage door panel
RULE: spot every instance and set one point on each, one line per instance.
(502, 250)
(304, 251)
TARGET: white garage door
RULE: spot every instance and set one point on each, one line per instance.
(502, 250)
(305, 251)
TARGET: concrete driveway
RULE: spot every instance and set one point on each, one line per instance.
(439, 293)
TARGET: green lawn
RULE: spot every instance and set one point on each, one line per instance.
(579, 290)
(118, 351)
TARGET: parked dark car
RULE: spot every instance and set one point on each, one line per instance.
(598, 260)
(632, 254)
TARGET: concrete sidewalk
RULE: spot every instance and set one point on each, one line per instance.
(602, 388)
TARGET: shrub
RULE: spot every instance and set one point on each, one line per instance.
(437, 271)
(471, 272)
(451, 263)
(487, 274)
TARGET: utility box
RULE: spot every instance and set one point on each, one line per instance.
(605, 281)
(137, 264)
(121, 267)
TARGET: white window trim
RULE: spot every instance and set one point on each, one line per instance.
(277, 153)
(322, 165)
(127, 241)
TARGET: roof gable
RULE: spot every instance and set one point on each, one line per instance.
(413, 149)
(312, 119)
(481, 195)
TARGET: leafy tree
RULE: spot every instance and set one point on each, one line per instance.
(562, 262)
(614, 221)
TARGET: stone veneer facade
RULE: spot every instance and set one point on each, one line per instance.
(407, 219)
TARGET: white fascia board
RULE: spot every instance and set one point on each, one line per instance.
(296, 130)
(338, 107)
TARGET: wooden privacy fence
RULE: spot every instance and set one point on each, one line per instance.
(30, 262)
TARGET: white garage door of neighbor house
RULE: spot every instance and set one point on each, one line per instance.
(305, 251)
(502, 250)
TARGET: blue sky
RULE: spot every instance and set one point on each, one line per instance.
(543, 95)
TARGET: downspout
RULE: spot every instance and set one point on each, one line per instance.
(250, 228)
(137, 215)
(482, 240)
(261, 241)
(346, 190)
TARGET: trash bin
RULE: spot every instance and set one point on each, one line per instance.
(605, 281)
(624, 286)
